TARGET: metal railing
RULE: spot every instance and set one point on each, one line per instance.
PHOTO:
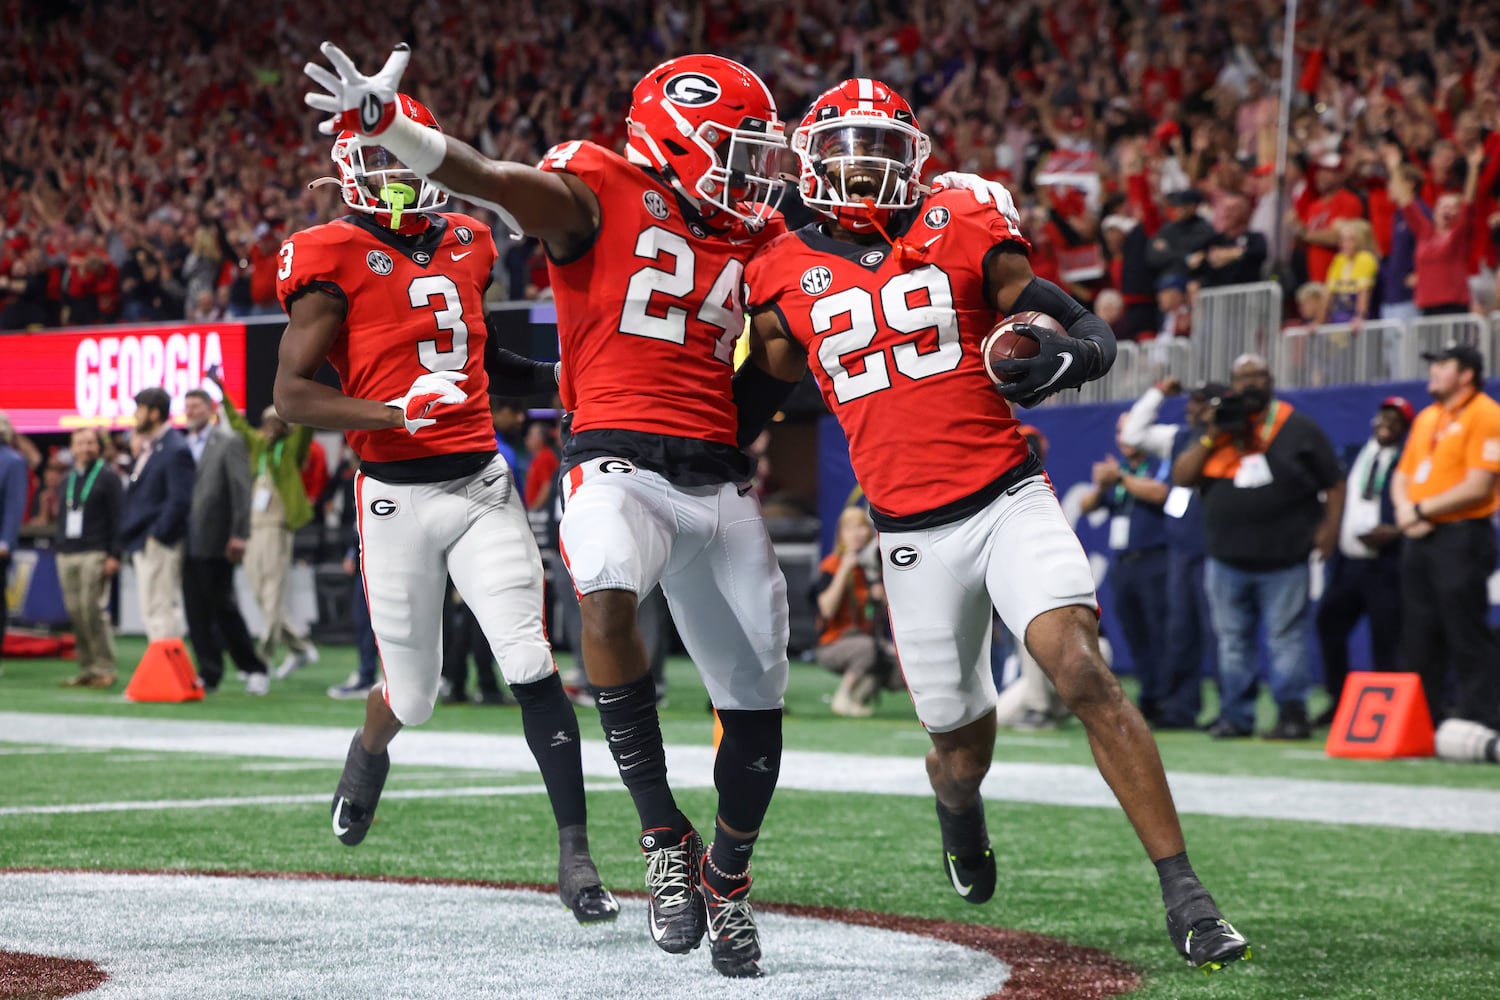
(1231, 321)
(1342, 354)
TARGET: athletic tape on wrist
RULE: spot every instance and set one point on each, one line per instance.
(421, 148)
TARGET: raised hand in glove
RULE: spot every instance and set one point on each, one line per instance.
(358, 103)
(1062, 362)
(427, 393)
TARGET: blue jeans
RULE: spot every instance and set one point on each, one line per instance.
(1190, 634)
(1243, 600)
(364, 634)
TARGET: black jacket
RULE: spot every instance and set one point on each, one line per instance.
(160, 496)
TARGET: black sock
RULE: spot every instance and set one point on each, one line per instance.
(747, 765)
(1178, 880)
(552, 733)
(726, 867)
(628, 715)
(965, 835)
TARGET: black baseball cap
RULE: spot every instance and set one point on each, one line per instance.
(1466, 355)
(1208, 390)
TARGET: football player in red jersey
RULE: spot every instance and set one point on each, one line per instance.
(888, 301)
(646, 253)
(392, 296)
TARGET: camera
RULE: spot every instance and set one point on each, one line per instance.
(1233, 410)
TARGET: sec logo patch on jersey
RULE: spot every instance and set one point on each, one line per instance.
(816, 280)
(379, 261)
(656, 204)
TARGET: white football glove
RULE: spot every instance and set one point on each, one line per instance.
(358, 103)
(985, 192)
(429, 391)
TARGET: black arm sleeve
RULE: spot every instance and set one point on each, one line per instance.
(512, 375)
(757, 395)
(1043, 296)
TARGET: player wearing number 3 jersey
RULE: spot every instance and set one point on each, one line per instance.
(646, 254)
(393, 297)
(888, 302)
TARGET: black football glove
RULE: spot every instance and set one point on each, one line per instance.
(1063, 362)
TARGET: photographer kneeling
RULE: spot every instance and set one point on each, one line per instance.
(1263, 471)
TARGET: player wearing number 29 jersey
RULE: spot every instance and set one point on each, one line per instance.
(887, 301)
(393, 297)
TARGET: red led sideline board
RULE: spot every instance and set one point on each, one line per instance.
(88, 377)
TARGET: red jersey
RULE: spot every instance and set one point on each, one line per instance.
(648, 314)
(414, 305)
(894, 344)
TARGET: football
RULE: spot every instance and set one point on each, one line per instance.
(1004, 342)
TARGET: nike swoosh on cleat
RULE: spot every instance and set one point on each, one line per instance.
(1067, 361)
(338, 830)
(657, 932)
(963, 890)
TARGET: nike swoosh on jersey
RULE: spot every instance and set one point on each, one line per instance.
(460, 256)
(963, 890)
(1067, 362)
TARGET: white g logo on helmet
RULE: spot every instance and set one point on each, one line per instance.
(692, 90)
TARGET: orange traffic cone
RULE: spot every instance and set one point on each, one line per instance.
(1381, 715)
(165, 673)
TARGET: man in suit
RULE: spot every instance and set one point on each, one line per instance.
(156, 514)
(13, 488)
(218, 526)
(1364, 574)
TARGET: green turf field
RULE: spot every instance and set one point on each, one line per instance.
(1332, 910)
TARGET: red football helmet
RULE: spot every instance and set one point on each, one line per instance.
(375, 182)
(709, 126)
(861, 154)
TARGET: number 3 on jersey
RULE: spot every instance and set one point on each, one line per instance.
(836, 351)
(450, 320)
(675, 279)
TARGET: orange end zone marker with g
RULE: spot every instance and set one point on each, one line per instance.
(1381, 716)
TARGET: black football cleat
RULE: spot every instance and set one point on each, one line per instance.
(578, 882)
(674, 914)
(358, 792)
(1202, 935)
(972, 874)
(733, 940)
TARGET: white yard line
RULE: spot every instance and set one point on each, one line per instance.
(269, 800)
(1359, 803)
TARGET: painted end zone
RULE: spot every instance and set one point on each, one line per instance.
(213, 934)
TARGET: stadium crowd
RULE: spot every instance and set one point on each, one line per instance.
(152, 171)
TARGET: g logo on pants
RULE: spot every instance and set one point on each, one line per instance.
(616, 465)
(384, 507)
(904, 557)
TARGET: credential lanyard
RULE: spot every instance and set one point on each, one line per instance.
(88, 484)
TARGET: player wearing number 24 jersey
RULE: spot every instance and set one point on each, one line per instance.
(393, 297)
(646, 253)
(888, 301)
